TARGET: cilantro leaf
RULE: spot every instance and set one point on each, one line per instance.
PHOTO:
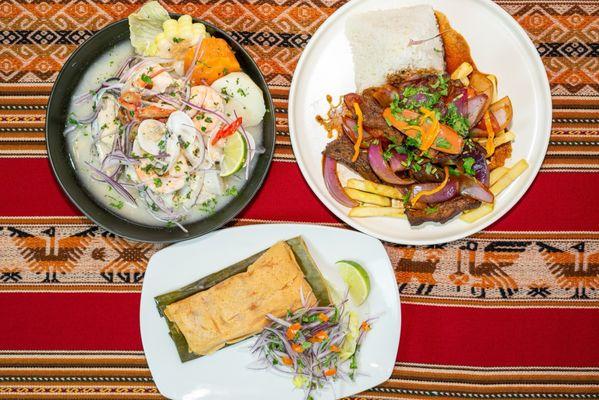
(468, 162)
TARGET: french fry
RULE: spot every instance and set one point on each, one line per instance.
(501, 138)
(493, 80)
(461, 73)
(395, 203)
(515, 171)
(496, 174)
(376, 188)
(369, 211)
(502, 181)
(369, 198)
(478, 213)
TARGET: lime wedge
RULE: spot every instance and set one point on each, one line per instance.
(356, 278)
(235, 152)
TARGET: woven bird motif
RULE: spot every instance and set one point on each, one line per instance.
(490, 272)
(51, 255)
(130, 263)
(573, 268)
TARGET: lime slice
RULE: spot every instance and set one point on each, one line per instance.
(356, 278)
(235, 152)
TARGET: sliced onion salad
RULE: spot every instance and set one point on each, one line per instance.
(307, 344)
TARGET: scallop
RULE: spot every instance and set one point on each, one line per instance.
(242, 97)
(181, 126)
(154, 139)
(151, 135)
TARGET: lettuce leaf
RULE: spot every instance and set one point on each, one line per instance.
(145, 24)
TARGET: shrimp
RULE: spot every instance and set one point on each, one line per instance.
(154, 77)
(206, 97)
(168, 183)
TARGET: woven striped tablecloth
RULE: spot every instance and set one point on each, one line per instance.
(510, 312)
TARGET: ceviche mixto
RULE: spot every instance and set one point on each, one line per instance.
(427, 135)
(163, 130)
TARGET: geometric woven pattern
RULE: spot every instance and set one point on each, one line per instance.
(502, 314)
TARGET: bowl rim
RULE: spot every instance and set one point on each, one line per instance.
(236, 206)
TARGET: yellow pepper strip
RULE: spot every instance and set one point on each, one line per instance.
(432, 191)
(360, 132)
(429, 136)
(490, 147)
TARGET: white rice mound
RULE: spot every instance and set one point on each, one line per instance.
(379, 42)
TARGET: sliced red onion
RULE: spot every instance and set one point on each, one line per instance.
(331, 181)
(461, 102)
(349, 126)
(278, 320)
(476, 108)
(480, 166)
(397, 162)
(196, 56)
(113, 183)
(449, 191)
(200, 108)
(126, 64)
(381, 168)
(502, 111)
(470, 187)
(90, 118)
(69, 129)
(413, 42)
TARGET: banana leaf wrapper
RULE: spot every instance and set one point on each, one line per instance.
(304, 259)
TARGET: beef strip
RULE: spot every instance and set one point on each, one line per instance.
(411, 77)
(437, 174)
(373, 114)
(342, 151)
(444, 211)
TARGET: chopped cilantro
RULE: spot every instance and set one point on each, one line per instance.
(442, 143)
(208, 206)
(468, 162)
(456, 121)
(117, 204)
(431, 209)
(414, 141)
(72, 121)
(177, 40)
(146, 79)
(453, 171)
(241, 92)
(157, 182)
(232, 191)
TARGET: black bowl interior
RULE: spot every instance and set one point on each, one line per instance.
(56, 115)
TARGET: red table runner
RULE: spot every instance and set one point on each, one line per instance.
(510, 312)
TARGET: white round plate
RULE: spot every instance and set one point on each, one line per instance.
(225, 375)
(498, 46)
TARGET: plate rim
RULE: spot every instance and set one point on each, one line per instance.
(396, 301)
(545, 101)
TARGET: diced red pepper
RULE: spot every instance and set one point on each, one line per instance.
(293, 330)
(226, 131)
